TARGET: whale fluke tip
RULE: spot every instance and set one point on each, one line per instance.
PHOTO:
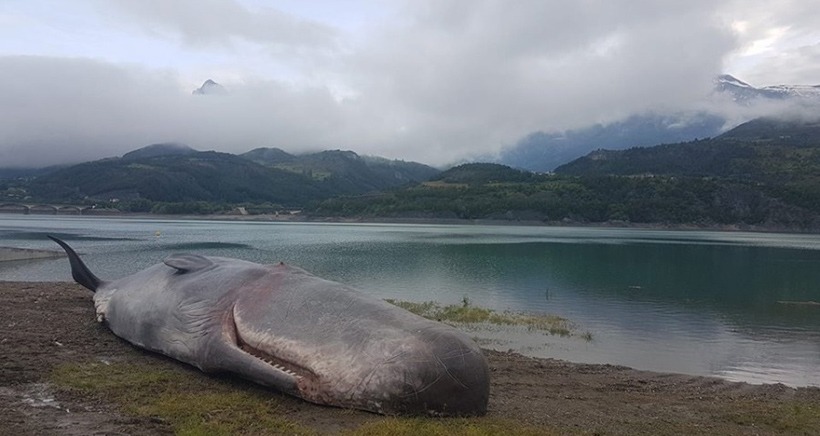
(79, 271)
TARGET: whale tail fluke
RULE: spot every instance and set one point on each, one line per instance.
(79, 271)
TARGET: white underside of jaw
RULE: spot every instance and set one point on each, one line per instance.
(101, 300)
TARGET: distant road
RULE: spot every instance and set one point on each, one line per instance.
(53, 209)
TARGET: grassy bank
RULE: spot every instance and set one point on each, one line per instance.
(81, 379)
(191, 404)
(468, 314)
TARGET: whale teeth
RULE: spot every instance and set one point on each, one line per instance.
(279, 367)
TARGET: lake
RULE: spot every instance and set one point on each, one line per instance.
(726, 304)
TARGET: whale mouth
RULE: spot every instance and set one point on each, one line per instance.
(298, 372)
(289, 368)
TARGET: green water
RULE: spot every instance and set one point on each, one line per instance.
(710, 303)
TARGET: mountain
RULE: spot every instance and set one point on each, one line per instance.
(156, 150)
(171, 172)
(26, 173)
(763, 150)
(268, 156)
(803, 133)
(197, 176)
(209, 87)
(544, 151)
(399, 172)
(349, 172)
(779, 159)
(482, 173)
(745, 93)
(763, 174)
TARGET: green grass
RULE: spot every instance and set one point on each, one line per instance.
(790, 417)
(447, 427)
(194, 404)
(191, 404)
(466, 313)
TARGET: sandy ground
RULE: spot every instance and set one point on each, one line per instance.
(12, 253)
(43, 325)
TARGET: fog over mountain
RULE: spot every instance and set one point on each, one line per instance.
(430, 81)
(209, 87)
(731, 102)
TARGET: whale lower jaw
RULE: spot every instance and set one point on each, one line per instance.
(277, 363)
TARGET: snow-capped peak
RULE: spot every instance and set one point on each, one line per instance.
(745, 94)
(728, 79)
(209, 87)
(806, 91)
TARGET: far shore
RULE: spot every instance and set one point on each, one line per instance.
(300, 218)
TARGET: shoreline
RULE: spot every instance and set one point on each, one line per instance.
(547, 395)
(440, 221)
(11, 254)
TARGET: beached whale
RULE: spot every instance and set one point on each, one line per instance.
(282, 327)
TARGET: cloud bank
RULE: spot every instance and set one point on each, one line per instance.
(434, 81)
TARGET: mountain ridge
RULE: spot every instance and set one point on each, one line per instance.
(209, 87)
(743, 92)
(544, 151)
(764, 174)
(159, 149)
(170, 172)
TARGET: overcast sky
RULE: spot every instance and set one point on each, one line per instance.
(434, 81)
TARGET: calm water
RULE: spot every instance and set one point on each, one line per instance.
(693, 302)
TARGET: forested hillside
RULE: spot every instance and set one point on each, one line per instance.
(765, 173)
(350, 172)
(781, 159)
(203, 182)
(200, 176)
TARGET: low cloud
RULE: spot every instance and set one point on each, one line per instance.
(57, 110)
(437, 82)
(200, 23)
(465, 78)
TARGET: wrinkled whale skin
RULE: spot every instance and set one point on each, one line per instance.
(283, 327)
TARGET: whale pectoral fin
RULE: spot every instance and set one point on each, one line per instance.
(184, 263)
(226, 354)
(228, 357)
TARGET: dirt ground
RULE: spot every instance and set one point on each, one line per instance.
(43, 325)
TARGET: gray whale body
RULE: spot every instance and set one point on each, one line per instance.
(285, 328)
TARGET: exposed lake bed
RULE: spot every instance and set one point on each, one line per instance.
(12, 254)
(63, 373)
